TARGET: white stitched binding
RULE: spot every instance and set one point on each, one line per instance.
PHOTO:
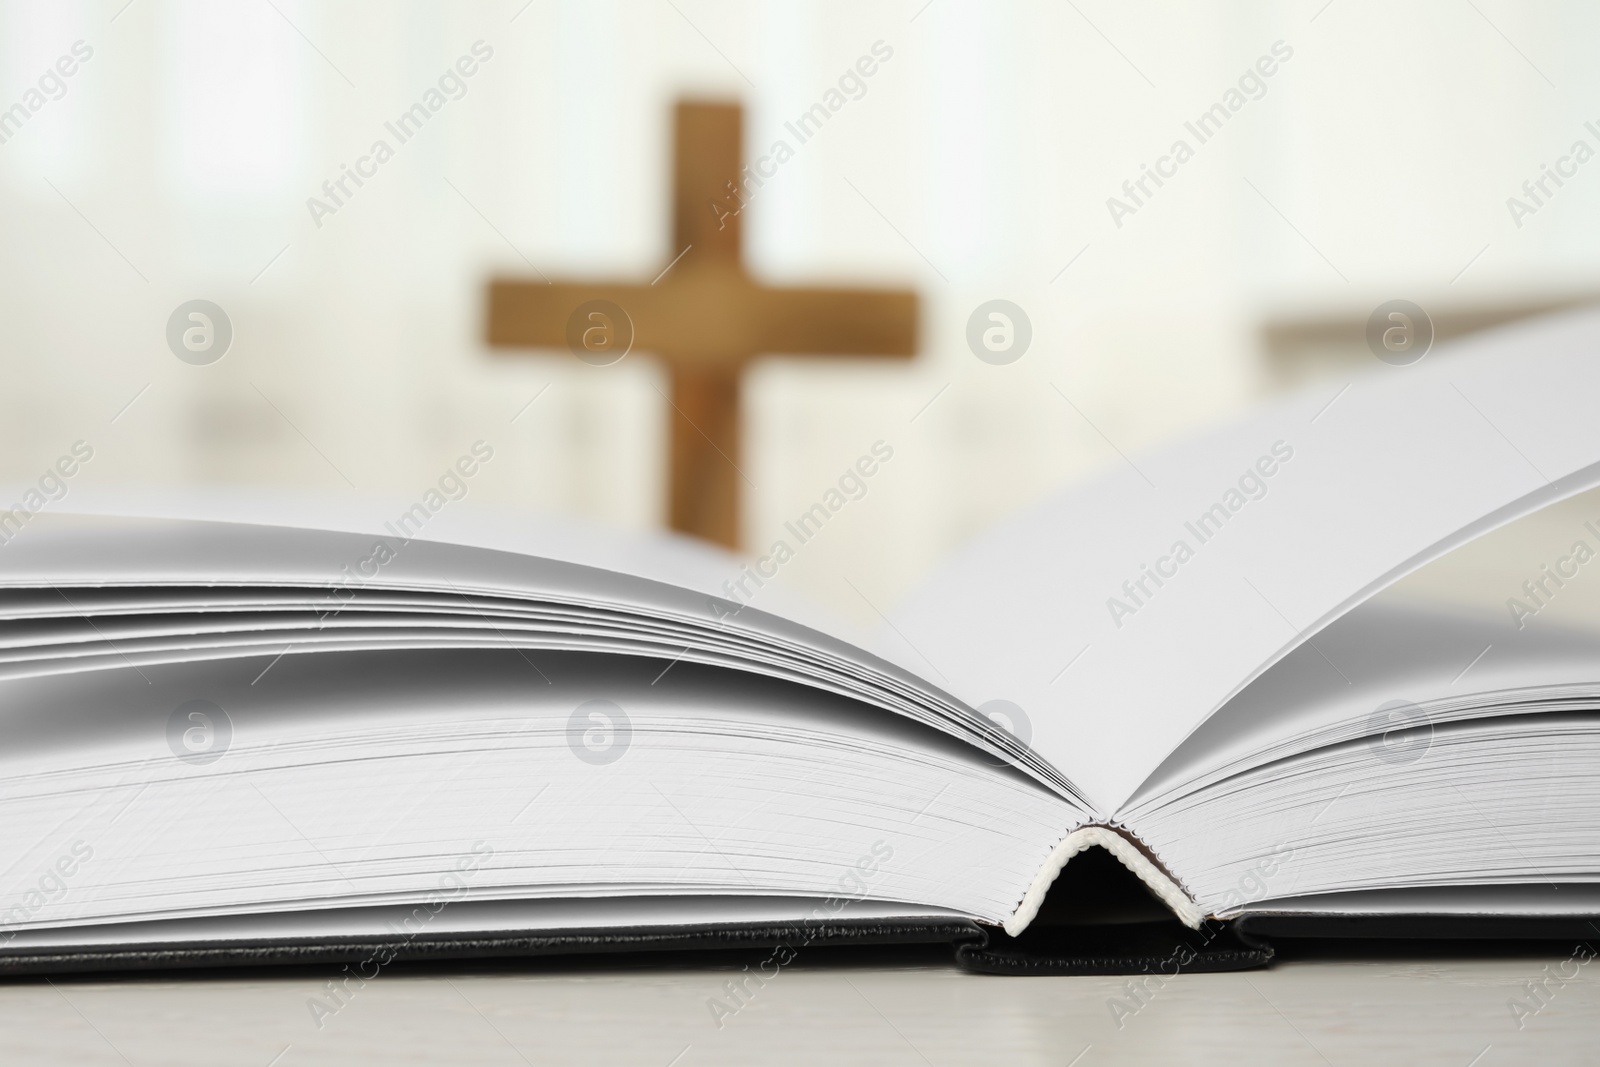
(1165, 889)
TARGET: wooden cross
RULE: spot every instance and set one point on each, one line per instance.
(706, 317)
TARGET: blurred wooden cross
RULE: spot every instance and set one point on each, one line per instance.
(706, 317)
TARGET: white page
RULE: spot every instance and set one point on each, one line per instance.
(1386, 473)
(359, 779)
(1543, 899)
(1382, 653)
(470, 918)
(1445, 640)
(661, 556)
(73, 551)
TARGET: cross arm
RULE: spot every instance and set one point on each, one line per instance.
(532, 315)
(834, 321)
(714, 317)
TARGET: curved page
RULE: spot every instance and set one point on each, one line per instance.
(456, 518)
(84, 555)
(1119, 616)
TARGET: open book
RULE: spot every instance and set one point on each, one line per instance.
(1334, 659)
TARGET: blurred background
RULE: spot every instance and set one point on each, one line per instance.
(1383, 158)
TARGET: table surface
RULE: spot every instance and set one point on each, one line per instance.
(1350, 1004)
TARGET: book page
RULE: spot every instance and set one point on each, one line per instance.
(1120, 615)
(1491, 628)
(81, 557)
(470, 918)
(449, 514)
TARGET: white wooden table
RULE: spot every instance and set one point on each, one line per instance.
(907, 1008)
